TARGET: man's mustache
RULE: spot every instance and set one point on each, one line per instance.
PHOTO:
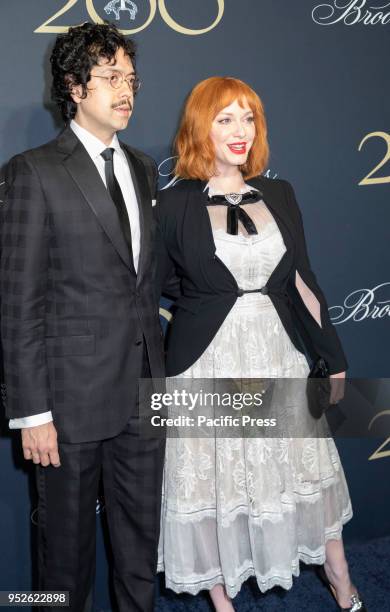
(124, 102)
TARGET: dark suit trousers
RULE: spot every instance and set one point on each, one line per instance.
(132, 477)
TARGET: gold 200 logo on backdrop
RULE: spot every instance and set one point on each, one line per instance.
(128, 10)
(372, 178)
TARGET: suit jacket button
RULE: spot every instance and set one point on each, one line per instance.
(138, 342)
(264, 290)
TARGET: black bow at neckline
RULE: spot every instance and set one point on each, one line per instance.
(235, 213)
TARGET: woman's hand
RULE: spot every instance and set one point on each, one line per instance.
(337, 386)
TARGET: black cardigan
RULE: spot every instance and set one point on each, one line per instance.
(189, 270)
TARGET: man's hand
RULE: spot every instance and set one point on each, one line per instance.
(40, 444)
(337, 386)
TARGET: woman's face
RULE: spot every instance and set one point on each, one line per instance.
(232, 134)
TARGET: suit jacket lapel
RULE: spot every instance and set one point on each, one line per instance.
(142, 191)
(83, 171)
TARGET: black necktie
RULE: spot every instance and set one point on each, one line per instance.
(117, 196)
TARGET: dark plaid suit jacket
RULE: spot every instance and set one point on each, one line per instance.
(73, 314)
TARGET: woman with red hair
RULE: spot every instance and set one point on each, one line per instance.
(232, 252)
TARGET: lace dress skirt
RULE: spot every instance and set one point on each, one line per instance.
(239, 507)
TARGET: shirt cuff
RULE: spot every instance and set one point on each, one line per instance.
(31, 421)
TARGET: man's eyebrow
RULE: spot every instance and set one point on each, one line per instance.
(111, 68)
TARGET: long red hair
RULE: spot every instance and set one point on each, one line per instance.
(193, 145)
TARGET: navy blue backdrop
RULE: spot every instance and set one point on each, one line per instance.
(321, 69)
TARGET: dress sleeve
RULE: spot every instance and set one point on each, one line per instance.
(308, 302)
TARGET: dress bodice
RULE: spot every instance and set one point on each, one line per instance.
(250, 259)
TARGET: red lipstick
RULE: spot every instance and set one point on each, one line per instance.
(238, 148)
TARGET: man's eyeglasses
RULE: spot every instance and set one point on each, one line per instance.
(116, 80)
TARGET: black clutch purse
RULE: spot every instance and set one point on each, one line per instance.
(318, 388)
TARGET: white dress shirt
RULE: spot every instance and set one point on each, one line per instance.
(94, 148)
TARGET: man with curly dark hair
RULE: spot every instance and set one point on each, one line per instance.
(80, 323)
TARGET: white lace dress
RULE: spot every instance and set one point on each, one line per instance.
(234, 507)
